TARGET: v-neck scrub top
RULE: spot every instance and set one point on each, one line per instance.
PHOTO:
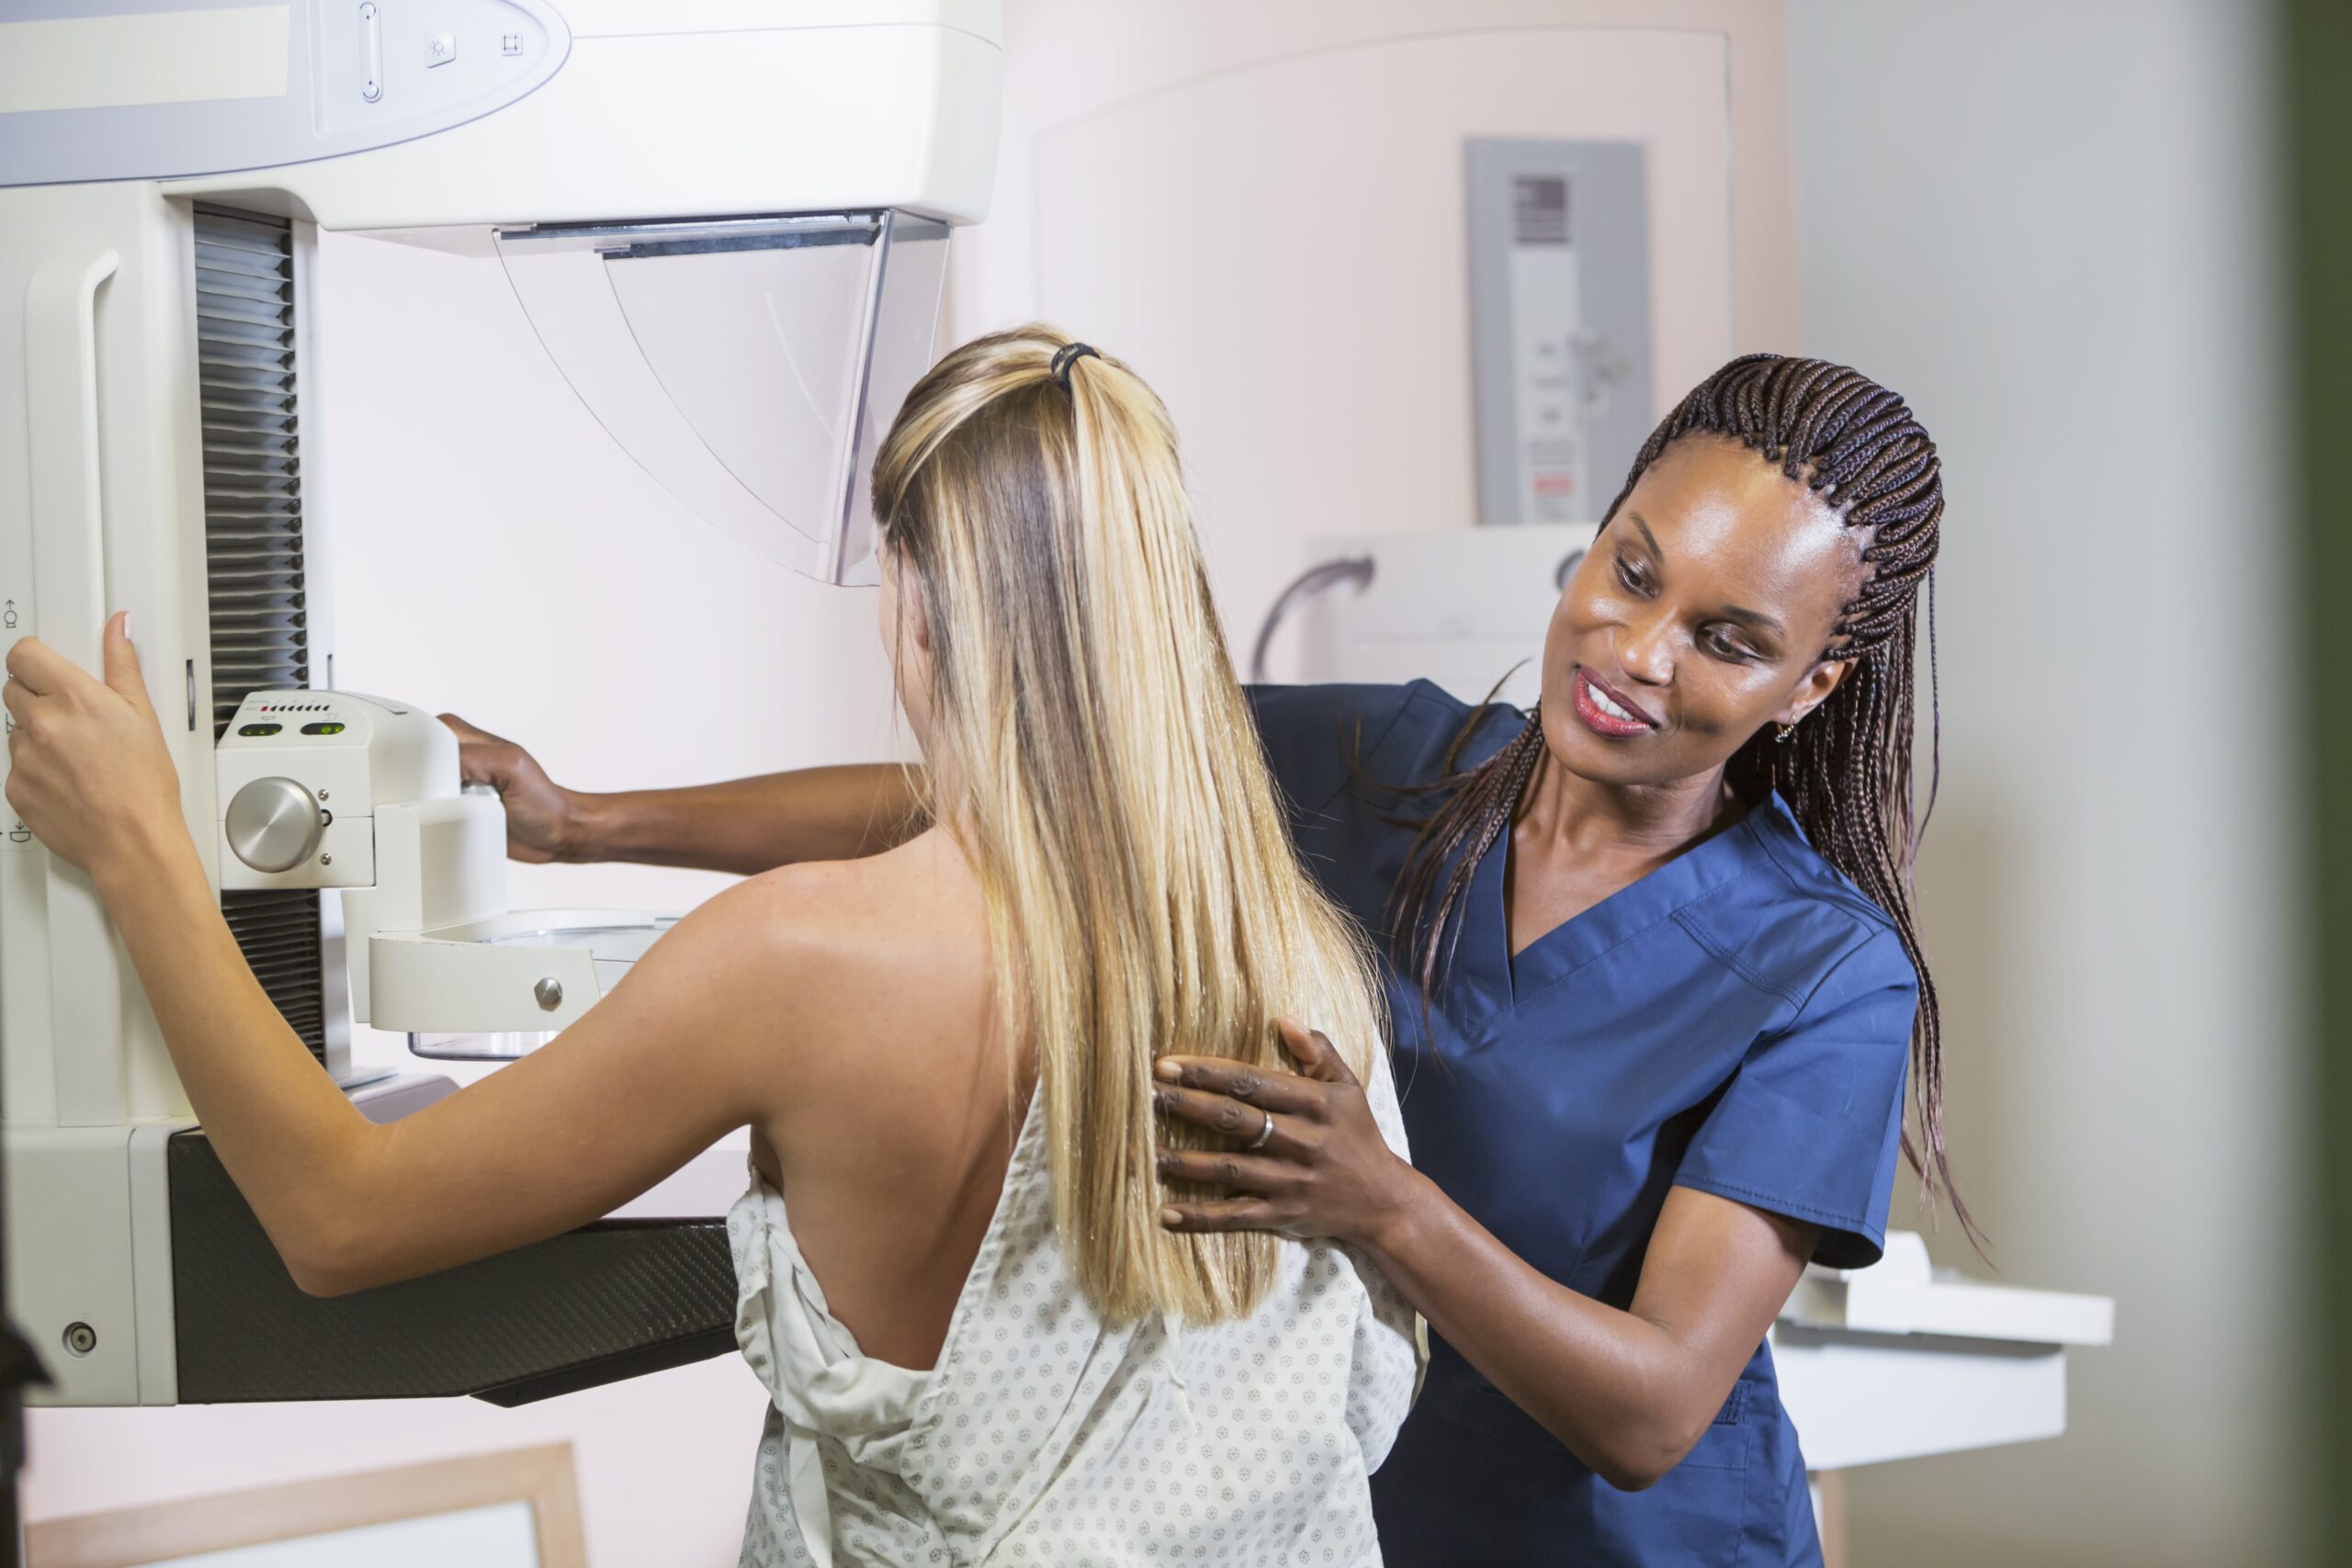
(1737, 1022)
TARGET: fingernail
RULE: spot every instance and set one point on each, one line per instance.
(126, 626)
(1167, 1069)
(1170, 1217)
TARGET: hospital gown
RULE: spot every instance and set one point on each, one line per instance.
(1044, 1436)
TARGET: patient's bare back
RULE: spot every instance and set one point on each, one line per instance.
(890, 1125)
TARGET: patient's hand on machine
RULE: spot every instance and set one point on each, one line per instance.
(112, 790)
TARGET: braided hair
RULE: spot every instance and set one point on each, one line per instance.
(1845, 774)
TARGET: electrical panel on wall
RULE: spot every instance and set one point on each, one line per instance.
(1559, 270)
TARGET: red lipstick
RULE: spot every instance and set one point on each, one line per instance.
(1605, 710)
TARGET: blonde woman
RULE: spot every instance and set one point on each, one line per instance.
(982, 1342)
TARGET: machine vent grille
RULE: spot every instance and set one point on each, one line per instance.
(278, 930)
(253, 456)
(253, 545)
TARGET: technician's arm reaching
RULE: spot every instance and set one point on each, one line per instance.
(745, 826)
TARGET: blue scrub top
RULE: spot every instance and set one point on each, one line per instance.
(1737, 1022)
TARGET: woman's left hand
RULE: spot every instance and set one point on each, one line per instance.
(1323, 1170)
(88, 769)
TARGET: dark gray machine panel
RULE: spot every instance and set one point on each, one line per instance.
(613, 1300)
(257, 592)
(1559, 322)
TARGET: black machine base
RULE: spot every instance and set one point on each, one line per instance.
(610, 1300)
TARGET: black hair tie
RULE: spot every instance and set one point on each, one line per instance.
(1067, 355)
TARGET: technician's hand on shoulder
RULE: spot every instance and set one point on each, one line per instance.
(542, 817)
(1308, 1159)
(89, 771)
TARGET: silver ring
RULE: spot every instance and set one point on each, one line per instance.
(1264, 1132)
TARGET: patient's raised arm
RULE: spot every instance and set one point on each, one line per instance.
(744, 824)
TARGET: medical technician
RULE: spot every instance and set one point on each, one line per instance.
(1653, 974)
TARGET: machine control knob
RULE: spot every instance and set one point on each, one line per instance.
(274, 824)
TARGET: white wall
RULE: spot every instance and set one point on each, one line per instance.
(494, 553)
(2047, 225)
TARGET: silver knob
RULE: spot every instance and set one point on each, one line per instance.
(274, 824)
(550, 990)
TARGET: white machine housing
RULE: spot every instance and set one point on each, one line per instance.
(348, 753)
(1902, 1360)
(165, 171)
(430, 946)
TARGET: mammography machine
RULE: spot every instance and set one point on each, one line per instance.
(727, 221)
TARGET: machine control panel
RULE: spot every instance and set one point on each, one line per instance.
(299, 776)
(274, 823)
(126, 90)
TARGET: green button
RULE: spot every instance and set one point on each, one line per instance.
(259, 729)
(322, 729)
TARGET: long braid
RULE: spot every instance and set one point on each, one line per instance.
(1846, 772)
(1460, 834)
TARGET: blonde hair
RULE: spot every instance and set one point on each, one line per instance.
(1113, 797)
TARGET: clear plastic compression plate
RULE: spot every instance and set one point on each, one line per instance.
(750, 365)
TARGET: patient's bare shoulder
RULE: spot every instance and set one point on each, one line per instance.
(920, 897)
(841, 956)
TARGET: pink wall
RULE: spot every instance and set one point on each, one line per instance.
(1261, 208)
(664, 1463)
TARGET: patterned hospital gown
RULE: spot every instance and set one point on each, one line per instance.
(1042, 1437)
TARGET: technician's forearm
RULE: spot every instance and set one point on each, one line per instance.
(294, 1144)
(749, 825)
(1608, 1384)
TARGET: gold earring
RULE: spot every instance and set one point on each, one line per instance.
(1782, 737)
